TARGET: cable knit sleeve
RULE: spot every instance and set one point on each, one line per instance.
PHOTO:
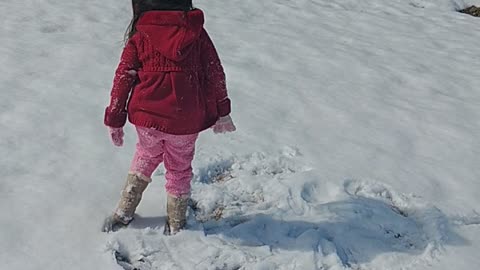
(215, 75)
(123, 82)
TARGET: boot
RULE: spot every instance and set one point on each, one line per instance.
(129, 200)
(176, 214)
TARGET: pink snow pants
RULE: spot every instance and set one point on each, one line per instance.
(176, 151)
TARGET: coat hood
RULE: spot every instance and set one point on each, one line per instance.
(172, 33)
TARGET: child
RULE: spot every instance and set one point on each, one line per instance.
(174, 83)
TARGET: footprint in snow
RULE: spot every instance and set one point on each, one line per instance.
(236, 183)
(52, 28)
(256, 164)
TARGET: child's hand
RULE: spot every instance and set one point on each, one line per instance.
(224, 125)
(116, 134)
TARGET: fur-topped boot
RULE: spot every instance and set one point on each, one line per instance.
(130, 198)
(176, 214)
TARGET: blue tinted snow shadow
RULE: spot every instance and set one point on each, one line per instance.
(140, 222)
(357, 230)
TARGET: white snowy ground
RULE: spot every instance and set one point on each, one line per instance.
(357, 144)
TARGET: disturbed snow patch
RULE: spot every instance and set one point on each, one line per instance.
(236, 185)
(269, 211)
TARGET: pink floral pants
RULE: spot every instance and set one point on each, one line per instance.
(176, 151)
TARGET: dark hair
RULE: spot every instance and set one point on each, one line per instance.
(141, 6)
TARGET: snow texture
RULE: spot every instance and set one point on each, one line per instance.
(357, 143)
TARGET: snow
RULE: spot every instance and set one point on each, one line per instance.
(357, 143)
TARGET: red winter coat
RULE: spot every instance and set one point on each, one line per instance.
(171, 76)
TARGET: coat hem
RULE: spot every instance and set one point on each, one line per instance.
(162, 127)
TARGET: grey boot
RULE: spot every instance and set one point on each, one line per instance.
(176, 214)
(129, 200)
